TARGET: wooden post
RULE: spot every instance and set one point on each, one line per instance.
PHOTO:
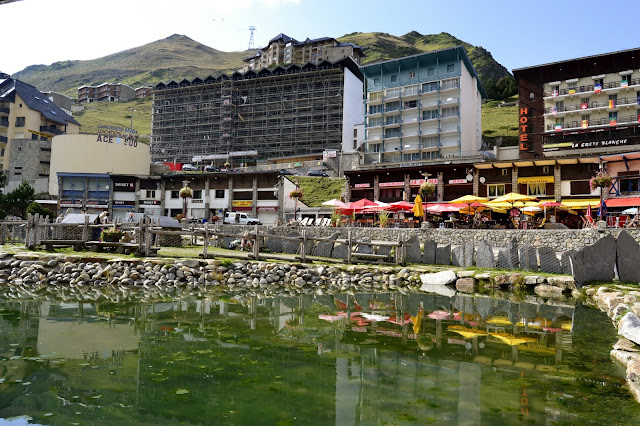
(205, 246)
(403, 258)
(398, 248)
(27, 229)
(141, 235)
(303, 245)
(3, 237)
(256, 244)
(349, 243)
(85, 229)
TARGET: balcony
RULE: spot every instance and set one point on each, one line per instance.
(450, 101)
(590, 106)
(4, 110)
(430, 103)
(590, 88)
(4, 139)
(392, 135)
(450, 129)
(430, 131)
(51, 130)
(408, 93)
(4, 121)
(595, 122)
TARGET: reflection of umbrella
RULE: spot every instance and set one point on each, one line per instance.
(466, 332)
(338, 317)
(398, 319)
(444, 315)
(417, 207)
(374, 317)
(499, 321)
(334, 203)
(512, 339)
(417, 320)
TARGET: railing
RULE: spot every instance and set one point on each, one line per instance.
(590, 88)
(4, 139)
(4, 110)
(592, 105)
(575, 124)
(51, 130)
(4, 122)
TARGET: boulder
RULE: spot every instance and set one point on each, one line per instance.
(528, 258)
(504, 259)
(595, 262)
(429, 255)
(466, 285)
(467, 254)
(291, 246)
(565, 283)
(340, 251)
(549, 261)
(484, 256)
(414, 254)
(629, 327)
(438, 278)
(365, 247)
(513, 253)
(324, 248)
(545, 290)
(628, 258)
(566, 262)
(456, 256)
(443, 255)
(273, 244)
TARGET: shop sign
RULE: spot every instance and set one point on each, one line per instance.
(587, 144)
(418, 182)
(267, 208)
(123, 203)
(124, 184)
(362, 185)
(150, 202)
(242, 203)
(391, 184)
(455, 181)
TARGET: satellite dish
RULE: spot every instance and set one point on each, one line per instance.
(469, 177)
(482, 179)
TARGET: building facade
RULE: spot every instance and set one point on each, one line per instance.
(284, 50)
(143, 91)
(28, 122)
(581, 106)
(422, 107)
(246, 118)
(106, 92)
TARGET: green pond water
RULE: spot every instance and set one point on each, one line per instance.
(337, 360)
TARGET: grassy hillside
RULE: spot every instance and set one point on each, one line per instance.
(116, 114)
(175, 57)
(317, 190)
(500, 123)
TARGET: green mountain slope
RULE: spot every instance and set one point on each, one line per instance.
(175, 57)
(495, 78)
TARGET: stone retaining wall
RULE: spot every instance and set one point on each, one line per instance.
(559, 240)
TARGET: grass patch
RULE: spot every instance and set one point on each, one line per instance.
(317, 190)
(117, 114)
(500, 123)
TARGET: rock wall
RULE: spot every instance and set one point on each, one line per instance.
(560, 240)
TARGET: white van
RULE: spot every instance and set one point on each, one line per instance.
(240, 219)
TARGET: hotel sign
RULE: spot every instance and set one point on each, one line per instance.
(524, 129)
(587, 144)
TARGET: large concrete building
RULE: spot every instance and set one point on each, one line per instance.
(422, 107)
(246, 118)
(106, 92)
(28, 121)
(580, 106)
(284, 50)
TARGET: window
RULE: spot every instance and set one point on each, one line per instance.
(219, 193)
(355, 133)
(151, 194)
(375, 109)
(495, 190)
(585, 101)
(2, 152)
(431, 71)
(629, 181)
(197, 194)
(375, 96)
(430, 87)
(450, 112)
(392, 93)
(579, 187)
(545, 170)
(392, 119)
(394, 78)
(412, 74)
(392, 106)
(430, 142)
(537, 189)
(411, 104)
(505, 172)
(531, 96)
(34, 137)
(392, 133)
(430, 155)
(450, 68)
(175, 194)
(430, 114)
(20, 121)
(451, 83)
(376, 80)
(375, 122)
(374, 147)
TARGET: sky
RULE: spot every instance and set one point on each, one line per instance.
(517, 33)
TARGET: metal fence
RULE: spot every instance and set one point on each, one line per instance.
(147, 238)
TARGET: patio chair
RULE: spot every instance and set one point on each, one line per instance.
(622, 220)
(591, 224)
(318, 221)
(542, 223)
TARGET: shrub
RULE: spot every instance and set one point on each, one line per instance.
(112, 235)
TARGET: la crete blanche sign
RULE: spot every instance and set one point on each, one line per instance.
(587, 144)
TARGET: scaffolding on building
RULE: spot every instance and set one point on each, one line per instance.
(284, 112)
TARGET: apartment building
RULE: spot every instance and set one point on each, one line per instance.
(283, 50)
(580, 106)
(61, 100)
(285, 112)
(28, 121)
(106, 92)
(143, 91)
(423, 107)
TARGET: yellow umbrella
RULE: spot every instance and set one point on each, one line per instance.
(512, 198)
(417, 209)
(466, 332)
(416, 322)
(512, 339)
(469, 199)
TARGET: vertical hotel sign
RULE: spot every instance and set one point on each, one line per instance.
(524, 128)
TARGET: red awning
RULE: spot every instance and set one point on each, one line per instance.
(623, 202)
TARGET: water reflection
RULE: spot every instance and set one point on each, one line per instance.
(343, 359)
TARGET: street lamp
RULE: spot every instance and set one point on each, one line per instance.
(132, 111)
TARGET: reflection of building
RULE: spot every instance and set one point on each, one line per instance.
(422, 107)
(28, 121)
(580, 106)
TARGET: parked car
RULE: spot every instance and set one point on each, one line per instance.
(189, 168)
(240, 219)
(317, 173)
(211, 169)
(286, 172)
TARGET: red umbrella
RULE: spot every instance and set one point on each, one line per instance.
(358, 206)
(401, 206)
(442, 208)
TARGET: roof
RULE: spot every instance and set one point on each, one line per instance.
(35, 100)
(601, 55)
(457, 52)
(285, 38)
(623, 202)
